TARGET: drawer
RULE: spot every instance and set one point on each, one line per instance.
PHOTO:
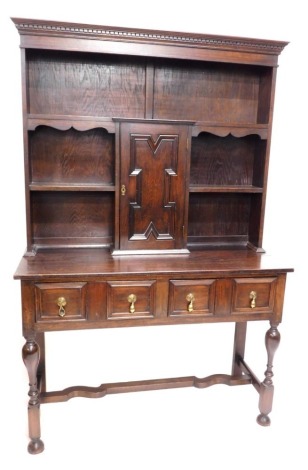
(253, 295)
(131, 299)
(192, 297)
(60, 301)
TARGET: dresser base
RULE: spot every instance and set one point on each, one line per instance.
(33, 355)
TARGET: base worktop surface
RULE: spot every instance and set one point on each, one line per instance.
(95, 262)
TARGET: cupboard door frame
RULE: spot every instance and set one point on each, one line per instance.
(139, 228)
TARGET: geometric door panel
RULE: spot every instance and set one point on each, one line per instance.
(153, 186)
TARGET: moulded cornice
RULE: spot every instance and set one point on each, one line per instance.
(63, 29)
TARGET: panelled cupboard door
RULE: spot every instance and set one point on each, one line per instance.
(154, 169)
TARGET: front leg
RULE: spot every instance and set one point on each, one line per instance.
(41, 373)
(31, 357)
(272, 339)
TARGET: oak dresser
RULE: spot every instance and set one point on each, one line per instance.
(146, 161)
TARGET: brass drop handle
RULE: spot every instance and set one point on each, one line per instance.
(123, 190)
(253, 298)
(61, 302)
(132, 299)
(190, 299)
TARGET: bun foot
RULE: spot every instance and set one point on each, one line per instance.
(36, 446)
(263, 420)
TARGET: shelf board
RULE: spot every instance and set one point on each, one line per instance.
(196, 188)
(70, 187)
(83, 123)
(223, 129)
(66, 122)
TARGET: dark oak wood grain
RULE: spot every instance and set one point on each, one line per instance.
(72, 157)
(48, 264)
(96, 286)
(86, 89)
(206, 92)
(225, 161)
(72, 218)
(146, 163)
(153, 178)
(217, 219)
(83, 84)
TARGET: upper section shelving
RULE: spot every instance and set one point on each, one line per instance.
(138, 139)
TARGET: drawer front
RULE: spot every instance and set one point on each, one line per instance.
(192, 297)
(253, 295)
(60, 301)
(131, 299)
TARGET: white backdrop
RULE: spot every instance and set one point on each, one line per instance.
(176, 429)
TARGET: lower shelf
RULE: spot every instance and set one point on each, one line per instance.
(72, 218)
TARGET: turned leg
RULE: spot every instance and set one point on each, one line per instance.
(41, 374)
(272, 339)
(239, 347)
(31, 358)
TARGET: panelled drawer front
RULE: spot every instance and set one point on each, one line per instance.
(60, 301)
(192, 297)
(253, 295)
(131, 299)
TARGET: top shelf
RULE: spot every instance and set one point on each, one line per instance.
(95, 88)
